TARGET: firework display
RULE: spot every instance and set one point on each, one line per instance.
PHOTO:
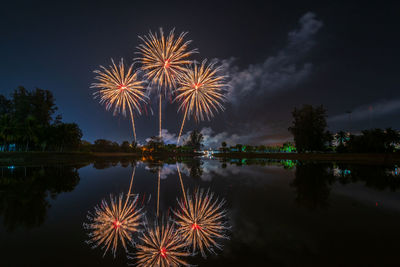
(200, 92)
(201, 221)
(161, 246)
(163, 59)
(120, 90)
(113, 223)
(199, 89)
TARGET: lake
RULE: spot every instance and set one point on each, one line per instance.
(264, 212)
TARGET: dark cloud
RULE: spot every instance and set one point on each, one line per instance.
(252, 86)
(363, 112)
(280, 72)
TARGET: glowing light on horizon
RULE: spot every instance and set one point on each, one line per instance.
(201, 222)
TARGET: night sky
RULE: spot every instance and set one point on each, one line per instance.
(342, 54)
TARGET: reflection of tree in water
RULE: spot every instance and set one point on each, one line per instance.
(376, 177)
(24, 193)
(101, 164)
(313, 180)
(195, 168)
(287, 164)
(312, 183)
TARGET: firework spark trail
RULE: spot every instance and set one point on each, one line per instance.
(161, 246)
(201, 92)
(202, 221)
(163, 58)
(158, 191)
(182, 187)
(120, 90)
(159, 118)
(115, 222)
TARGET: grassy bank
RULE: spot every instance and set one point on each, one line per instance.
(337, 157)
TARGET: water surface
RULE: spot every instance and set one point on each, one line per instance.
(280, 213)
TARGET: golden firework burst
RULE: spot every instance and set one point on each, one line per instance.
(201, 221)
(164, 57)
(113, 223)
(200, 92)
(161, 246)
(120, 89)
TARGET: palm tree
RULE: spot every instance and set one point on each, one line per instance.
(6, 129)
(341, 138)
(223, 144)
(392, 138)
(28, 133)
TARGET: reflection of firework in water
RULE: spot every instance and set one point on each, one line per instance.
(202, 221)
(120, 89)
(161, 246)
(113, 223)
(200, 92)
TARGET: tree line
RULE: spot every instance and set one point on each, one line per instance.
(285, 147)
(154, 144)
(27, 123)
(309, 129)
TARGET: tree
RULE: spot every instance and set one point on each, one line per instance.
(102, 145)
(5, 105)
(288, 147)
(312, 183)
(85, 146)
(374, 141)
(125, 147)
(341, 138)
(239, 147)
(28, 133)
(27, 122)
(309, 128)
(223, 145)
(42, 106)
(392, 139)
(261, 148)
(69, 136)
(7, 130)
(249, 148)
(155, 143)
(195, 140)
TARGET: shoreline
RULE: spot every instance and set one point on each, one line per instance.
(39, 158)
(366, 158)
(23, 158)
